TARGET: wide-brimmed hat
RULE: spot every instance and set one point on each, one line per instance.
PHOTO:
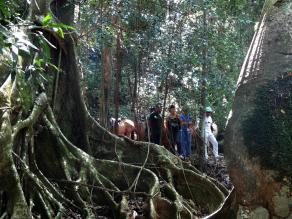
(208, 109)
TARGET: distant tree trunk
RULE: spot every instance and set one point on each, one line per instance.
(258, 136)
(119, 62)
(201, 148)
(168, 71)
(166, 89)
(105, 86)
(135, 87)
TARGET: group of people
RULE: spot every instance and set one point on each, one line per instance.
(178, 131)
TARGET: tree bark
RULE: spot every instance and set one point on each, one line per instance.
(119, 62)
(204, 76)
(105, 86)
(73, 122)
(258, 134)
(135, 87)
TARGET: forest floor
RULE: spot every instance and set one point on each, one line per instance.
(218, 170)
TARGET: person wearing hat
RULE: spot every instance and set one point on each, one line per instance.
(185, 134)
(208, 134)
(155, 124)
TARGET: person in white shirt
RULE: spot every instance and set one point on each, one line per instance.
(208, 134)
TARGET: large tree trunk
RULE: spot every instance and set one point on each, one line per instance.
(69, 98)
(258, 136)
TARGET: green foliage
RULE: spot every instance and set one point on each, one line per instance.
(268, 130)
(12, 10)
(165, 41)
(7, 9)
(20, 47)
(48, 22)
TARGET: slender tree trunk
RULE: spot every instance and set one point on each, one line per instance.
(119, 62)
(105, 86)
(168, 71)
(135, 87)
(166, 90)
(201, 148)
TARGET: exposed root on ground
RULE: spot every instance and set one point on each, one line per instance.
(44, 174)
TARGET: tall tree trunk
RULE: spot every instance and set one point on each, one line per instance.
(166, 90)
(73, 122)
(119, 62)
(135, 87)
(105, 86)
(169, 68)
(258, 135)
(201, 148)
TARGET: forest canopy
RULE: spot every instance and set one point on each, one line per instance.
(163, 52)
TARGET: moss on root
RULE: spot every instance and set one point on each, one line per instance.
(180, 184)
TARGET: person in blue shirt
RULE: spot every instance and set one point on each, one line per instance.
(185, 134)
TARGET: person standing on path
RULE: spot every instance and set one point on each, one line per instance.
(208, 134)
(173, 127)
(185, 134)
(155, 124)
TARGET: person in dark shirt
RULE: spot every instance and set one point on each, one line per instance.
(155, 125)
(173, 127)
